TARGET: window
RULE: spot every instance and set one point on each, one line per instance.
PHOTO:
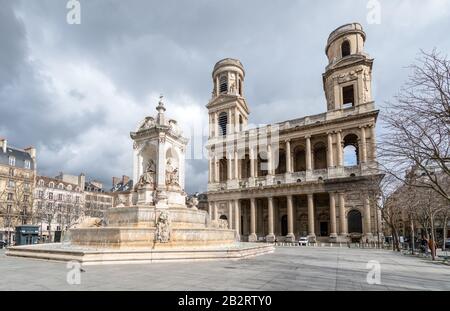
(60, 197)
(11, 183)
(8, 209)
(223, 122)
(223, 84)
(10, 196)
(49, 205)
(348, 96)
(351, 150)
(61, 186)
(41, 194)
(345, 48)
(77, 199)
(11, 172)
(12, 161)
(51, 185)
(50, 195)
(69, 187)
(25, 198)
(240, 87)
(69, 198)
(27, 164)
(41, 183)
(241, 124)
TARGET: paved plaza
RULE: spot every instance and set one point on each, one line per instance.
(289, 268)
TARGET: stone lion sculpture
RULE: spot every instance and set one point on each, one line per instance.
(88, 222)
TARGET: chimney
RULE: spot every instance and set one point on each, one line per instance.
(31, 151)
(3, 144)
(115, 181)
(125, 179)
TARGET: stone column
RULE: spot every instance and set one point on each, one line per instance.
(288, 157)
(216, 169)
(216, 124)
(252, 162)
(210, 211)
(367, 218)
(339, 149)
(373, 143)
(161, 165)
(363, 145)
(342, 222)
(237, 216)
(211, 170)
(271, 236)
(269, 160)
(290, 218)
(311, 230)
(236, 164)
(229, 167)
(308, 153)
(330, 150)
(252, 237)
(333, 233)
(216, 213)
(230, 214)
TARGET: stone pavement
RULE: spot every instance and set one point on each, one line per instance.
(289, 268)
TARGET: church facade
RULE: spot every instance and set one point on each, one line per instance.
(291, 179)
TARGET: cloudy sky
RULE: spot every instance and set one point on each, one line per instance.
(76, 91)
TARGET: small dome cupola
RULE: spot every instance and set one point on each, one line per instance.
(228, 76)
(345, 41)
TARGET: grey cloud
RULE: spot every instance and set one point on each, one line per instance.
(148, 47)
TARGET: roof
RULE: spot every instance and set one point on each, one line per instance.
(20, 155)
(121, 187)
(56, 182)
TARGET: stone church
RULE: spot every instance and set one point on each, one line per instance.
(291, 179)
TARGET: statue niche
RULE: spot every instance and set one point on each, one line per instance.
(172, 174)
(148, 178)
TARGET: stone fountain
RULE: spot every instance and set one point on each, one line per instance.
(158, 226)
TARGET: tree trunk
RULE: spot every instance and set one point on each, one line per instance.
(413, 238)
(433, 240)
(444, 233)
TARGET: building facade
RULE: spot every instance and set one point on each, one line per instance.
(292, 178)
(58, 204)
(17, 178)
(97, 200)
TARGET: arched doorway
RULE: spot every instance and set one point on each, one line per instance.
(284, 227)
(354, 221)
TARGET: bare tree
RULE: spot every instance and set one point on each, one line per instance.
(418, 126)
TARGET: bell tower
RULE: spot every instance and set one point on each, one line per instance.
(228, 110)
(347, 80)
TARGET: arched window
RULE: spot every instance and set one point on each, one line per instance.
(299, 160)
(41, 183)
(223, 84)
(223, 170)
(223, 122)
(354, 222)
(69, 187)
(245, 169)
(351, 150)
(320, 156)
(51, 185)
(60, 186)
(345, 48)
(223, 217)
(281, 167)
(262, 164)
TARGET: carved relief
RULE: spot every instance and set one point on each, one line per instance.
(163, 228)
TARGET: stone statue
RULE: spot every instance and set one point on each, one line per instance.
(172, 175)
(193, 202)
(148, 177)
(148, 123)
(163, 228)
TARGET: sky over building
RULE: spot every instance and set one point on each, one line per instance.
(76, 91)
